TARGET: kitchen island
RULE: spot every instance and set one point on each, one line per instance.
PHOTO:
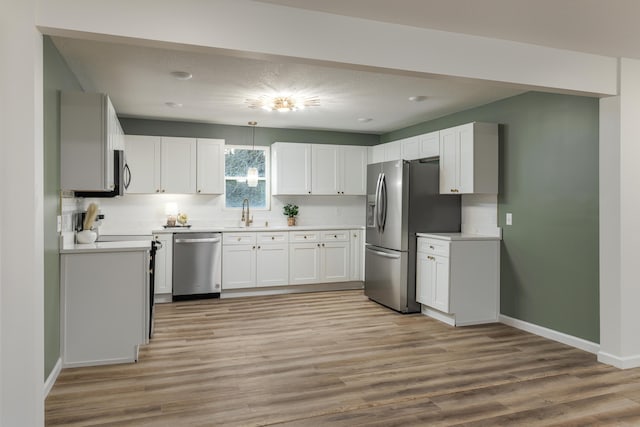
(105, 302)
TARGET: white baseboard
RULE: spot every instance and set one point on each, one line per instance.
(438, 315)
(53, 376)
(627, 362)
(576, 342)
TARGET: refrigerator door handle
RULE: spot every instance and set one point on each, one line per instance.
(383, 199)
(384, 254)
(377, 201)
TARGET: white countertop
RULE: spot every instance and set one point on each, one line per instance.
(256, 228)
(124, 246)
(457, 236)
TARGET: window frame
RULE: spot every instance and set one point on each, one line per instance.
(267, 176)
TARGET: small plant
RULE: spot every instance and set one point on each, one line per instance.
(290, 210)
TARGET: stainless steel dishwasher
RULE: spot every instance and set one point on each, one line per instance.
(197, 265)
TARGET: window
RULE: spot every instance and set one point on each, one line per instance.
(237, 159)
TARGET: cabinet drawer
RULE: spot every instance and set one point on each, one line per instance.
(304, 236)
(433, 246)
(275, 237)
(335, 235)
(238, 238)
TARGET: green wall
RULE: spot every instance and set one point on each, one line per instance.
(241, 135)
(57, 76)
(549, 181)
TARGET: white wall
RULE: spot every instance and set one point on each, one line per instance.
(21, 226)
(140, 214)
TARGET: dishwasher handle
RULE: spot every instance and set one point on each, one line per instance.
(207, 240)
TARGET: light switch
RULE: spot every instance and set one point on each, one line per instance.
(509, 218)
(59, 225)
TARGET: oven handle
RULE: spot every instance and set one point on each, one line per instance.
(208, 240)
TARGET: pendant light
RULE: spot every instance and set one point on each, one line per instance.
(252, 172)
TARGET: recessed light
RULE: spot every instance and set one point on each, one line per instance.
(365, 119)
(181, 75)
(418, 98)
(173, 104)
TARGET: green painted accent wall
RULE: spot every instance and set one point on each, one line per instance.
(57, 76)
(549, 182)
(241, 135)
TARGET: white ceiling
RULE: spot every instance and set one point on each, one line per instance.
(139, 82)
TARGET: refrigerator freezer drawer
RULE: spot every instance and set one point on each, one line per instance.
(386, 277)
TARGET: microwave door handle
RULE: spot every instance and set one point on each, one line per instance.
(127, 174)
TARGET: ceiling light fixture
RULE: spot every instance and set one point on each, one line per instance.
(365, 119)
(173, 104)
(418, 98)
(252, 172)
(283, 103)
(181, 75)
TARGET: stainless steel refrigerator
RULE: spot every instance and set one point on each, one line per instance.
(403, 198)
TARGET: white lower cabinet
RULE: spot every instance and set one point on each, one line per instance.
(254, 259)
(321, 257)
(457, 281)
(163, 273)
(279, 258)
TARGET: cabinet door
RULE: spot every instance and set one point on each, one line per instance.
(324, 169)
(142, 154)
(376, 154)
(429, 144)
(424, 279)
(210, 166)
(392, 151)
(291, 171)
(272, 265)
(335, 262)
(178, 165)
(164, 265)
(238, 266)
(410, 148)
(353, 170)
(356, 262)
(449, 161)
(440, 274)
(304, 263)
(465, 158)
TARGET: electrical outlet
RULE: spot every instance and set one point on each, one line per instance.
(509, 218)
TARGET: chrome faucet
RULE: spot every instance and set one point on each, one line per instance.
(245, 215)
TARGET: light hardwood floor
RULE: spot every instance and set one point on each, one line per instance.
(338, 359)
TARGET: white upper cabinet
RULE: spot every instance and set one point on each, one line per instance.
(392, 150)
(469, 159)
(376, 154)
(168, 165)
(89, 132)
(410, 148)
(142, 154)
(325, 169)
(178, 165)
(291, 168)
(210, 166)
(338, 169)
(429, 144)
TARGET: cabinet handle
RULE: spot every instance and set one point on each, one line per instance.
(199, 191)
(431, 247)
(258, 247)
(318, 244)
(253, 247)
(163, 190)
(305, 237)
(431, 258)
(309, 192)
(323, 245)
(338, 192)
(335, 236)
(157, 190)
(273, 238)
(239, 238)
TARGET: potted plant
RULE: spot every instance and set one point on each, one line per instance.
(291, 211)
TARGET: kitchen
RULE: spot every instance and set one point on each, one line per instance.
(525, 106)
